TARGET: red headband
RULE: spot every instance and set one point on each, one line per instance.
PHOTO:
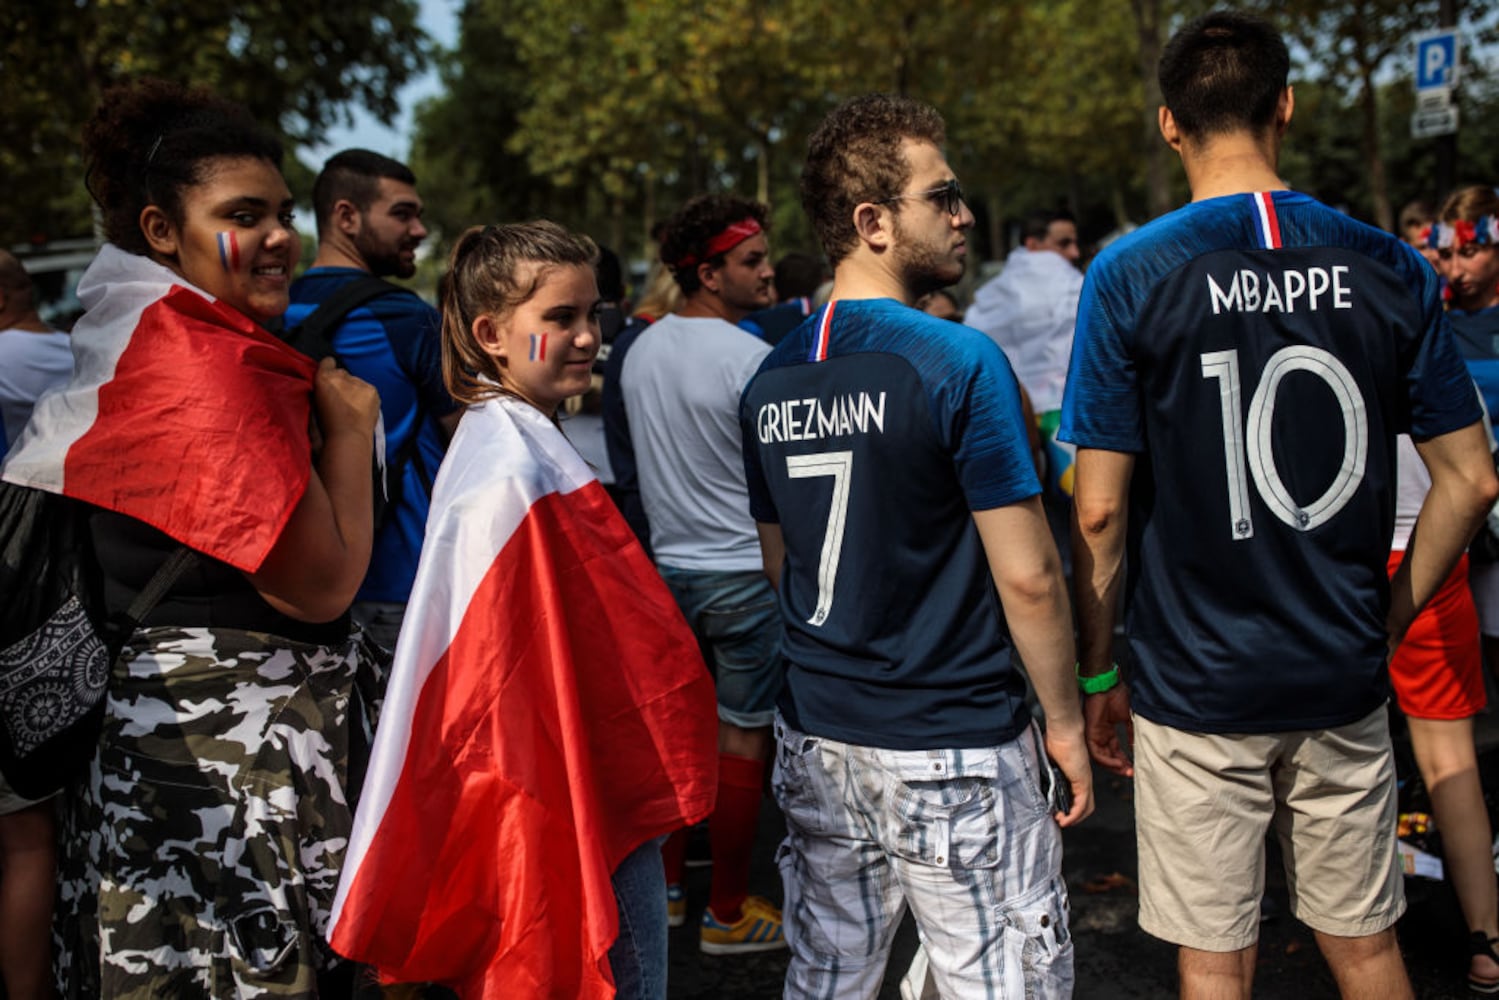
(733, 235)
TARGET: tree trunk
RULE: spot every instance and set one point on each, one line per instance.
(762, 169)
(1379, 189)
(997, 247)
(1157, 183)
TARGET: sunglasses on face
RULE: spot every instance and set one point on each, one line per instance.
(949, 196)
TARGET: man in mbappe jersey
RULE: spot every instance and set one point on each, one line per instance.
(1240, 371)
(899, 514)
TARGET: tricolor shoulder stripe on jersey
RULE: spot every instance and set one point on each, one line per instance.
(820, 343)
(1267, 227)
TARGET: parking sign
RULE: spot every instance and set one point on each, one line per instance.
(1436, 60)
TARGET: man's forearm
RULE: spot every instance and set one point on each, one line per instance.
(1099, 522)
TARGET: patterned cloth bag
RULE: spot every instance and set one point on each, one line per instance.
(57, 640)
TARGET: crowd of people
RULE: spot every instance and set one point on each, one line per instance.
(415, 702)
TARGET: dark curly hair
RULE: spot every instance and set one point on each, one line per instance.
(148, 141)
(855, 156)
(695, 224)
(483, 279)
(1224, 72)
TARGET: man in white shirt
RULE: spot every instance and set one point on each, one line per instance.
(1028, 309)
(681, 384)
(33, 356)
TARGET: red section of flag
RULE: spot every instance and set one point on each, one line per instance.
(569, 720)
(201, 432)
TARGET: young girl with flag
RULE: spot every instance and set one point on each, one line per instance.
(549, 715)
(202, 847)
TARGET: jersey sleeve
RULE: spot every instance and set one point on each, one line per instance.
(981, 422)
(1439, 389)
(1101, 403)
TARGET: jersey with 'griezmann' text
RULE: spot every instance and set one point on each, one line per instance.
(1259, 353)
(871, 434)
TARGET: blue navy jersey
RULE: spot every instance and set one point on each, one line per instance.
(392, 342)
(871, 433)
(1259, 353)
(1477, 336)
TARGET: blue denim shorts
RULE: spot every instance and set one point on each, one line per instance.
(737, 621)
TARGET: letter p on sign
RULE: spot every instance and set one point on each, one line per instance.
(1436, 60)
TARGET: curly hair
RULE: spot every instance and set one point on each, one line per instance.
(855, 156)
(1224, 72)
(484, 279)
(1470, 204)
(149, 141)
(695, 224)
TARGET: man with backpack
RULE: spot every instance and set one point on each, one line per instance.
(369, 222)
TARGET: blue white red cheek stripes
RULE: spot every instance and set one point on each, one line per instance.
(229, 251)
(538, 347)
(1268, 229)
(819, 350)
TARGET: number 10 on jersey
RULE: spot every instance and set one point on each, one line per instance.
(1254, 439)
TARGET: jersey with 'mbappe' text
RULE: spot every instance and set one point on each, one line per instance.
(1259, 353)
(871, 434)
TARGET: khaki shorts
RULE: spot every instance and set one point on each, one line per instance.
(1203, 803)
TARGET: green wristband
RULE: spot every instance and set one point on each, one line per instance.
(1098, 683)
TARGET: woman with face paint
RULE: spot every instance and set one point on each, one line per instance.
(201, 848)
(546, 693)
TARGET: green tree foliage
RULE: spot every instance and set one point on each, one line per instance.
(296, 66)
(607, 114)
(1349, 47)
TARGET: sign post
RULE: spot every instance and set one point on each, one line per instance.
(1438, 64)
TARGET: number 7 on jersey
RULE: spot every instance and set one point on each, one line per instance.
(839, 465)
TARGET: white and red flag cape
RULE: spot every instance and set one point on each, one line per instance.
(182, 413)
(548, 712)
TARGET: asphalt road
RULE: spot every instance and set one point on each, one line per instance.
(1115, 959)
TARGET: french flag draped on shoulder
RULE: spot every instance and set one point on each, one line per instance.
(182, 413)
(548, 712)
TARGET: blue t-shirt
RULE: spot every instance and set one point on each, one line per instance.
(1477, 336)
(870, 444)
(1259, 354)
(392, 342)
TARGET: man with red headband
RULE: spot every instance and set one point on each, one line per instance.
(681, 383)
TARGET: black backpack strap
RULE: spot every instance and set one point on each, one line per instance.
(168, 573)
(314, 335)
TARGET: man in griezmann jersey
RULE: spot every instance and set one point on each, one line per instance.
(899, 515)
(1240, 371)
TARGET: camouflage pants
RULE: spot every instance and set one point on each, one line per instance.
(201, 856)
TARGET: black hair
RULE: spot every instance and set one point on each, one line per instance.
(694, 226)
(354, 176)
(149, 141)
(798, 275)
(1224, 72)
(1036, 225)
(610, 275)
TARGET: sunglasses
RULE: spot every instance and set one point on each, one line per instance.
(949, 196)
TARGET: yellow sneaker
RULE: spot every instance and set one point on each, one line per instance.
(676, 906)
(758, 929)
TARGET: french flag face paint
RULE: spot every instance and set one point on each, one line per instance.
(1267, 222)
(538, 347)
(824, 336)
(229, 251)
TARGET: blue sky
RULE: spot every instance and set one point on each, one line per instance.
(439, 18)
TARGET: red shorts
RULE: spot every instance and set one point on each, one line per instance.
(1437, 672)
